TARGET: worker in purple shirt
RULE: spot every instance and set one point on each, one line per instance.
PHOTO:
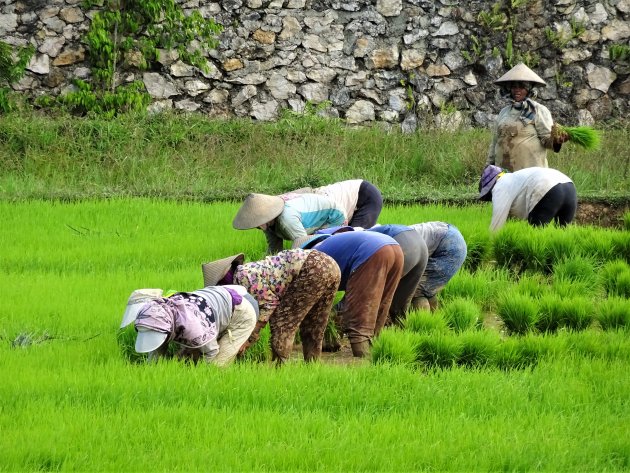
(371, 264)
(416, 255)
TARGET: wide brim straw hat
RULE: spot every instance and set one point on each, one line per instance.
(135, 302)
(308, 241)
(149, 340)
(258, 209)
(214, 271)
(520, 73)
(488, 179)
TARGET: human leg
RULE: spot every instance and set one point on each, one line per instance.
(442, 265)
(416, 256)
(238, 330)
(548, 207)
(310, 294)
(364, 293)
(566, 213)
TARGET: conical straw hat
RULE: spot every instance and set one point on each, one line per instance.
(214, 271)
(257, 209)
(520, 73)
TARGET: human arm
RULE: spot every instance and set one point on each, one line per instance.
(274, 242)
(548, 134)
(501, 204)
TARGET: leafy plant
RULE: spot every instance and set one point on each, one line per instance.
(423, 321)
(13, 62)
(478, 347)
(619, 52)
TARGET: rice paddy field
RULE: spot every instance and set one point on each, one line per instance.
(523, 368)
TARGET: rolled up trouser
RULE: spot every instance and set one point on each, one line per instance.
(306, 304)
(442, 265)
(369, 294)
(369, 206)
(558, 204)
(416, 255)
(239, 328)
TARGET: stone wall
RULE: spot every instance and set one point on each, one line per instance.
(398, 61)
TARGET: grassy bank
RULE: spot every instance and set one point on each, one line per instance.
(190, 157)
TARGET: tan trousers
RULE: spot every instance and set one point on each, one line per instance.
(369, 294)
(238, 330)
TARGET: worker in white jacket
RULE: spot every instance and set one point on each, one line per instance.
(538, 195)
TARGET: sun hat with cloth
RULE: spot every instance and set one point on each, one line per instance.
(488, 179)
(308, 241)
(258, 209)
(135, 302)
(520, 73)
(214, 271)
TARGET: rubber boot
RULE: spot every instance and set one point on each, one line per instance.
(360, 349)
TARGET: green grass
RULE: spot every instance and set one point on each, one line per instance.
(193, 158)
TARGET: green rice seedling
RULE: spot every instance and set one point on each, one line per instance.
(425, 322)
(594, 242)
(532, 284)
(478, 347)
(461, 314)
(626, 220)
(583, 136)
(506, 247)
(333, 333)
(126, 338)
(577, 268)
(614, 313)
(518, 312)
(261, 350)
(561, 244)
(438, 350)
(568, 289)
(578, 313)
(621, 243)
(507, 355)
(478, 250)
(622, 285)
(396, 346)
(612, 277)
(550, 313)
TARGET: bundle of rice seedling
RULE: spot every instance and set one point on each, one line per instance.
(584, 136)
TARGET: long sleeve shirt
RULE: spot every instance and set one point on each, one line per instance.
(344, 193)
(303, 214)
(517, 143)
(517, 193)
(267, 280)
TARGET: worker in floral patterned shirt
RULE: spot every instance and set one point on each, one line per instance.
(294, 289)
